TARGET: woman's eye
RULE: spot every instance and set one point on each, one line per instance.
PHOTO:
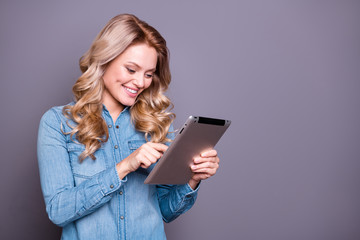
(130, 70)
(148, 75)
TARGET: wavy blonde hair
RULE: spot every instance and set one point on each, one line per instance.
(149, 113)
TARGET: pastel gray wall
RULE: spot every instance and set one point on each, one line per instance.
(287, 73)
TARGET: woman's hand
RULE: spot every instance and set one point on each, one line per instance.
(204, 167)
(143, 157)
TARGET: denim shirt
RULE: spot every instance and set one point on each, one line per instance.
(88, 199)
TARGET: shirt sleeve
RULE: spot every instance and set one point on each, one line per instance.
(64, 201)
(175, 200)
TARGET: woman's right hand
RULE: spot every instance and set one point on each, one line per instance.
(143, 157)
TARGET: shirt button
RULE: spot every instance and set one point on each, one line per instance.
(116, 147)
(109, 125)
(122, 217)
(117, 126)
(111, 186)
(121, 193)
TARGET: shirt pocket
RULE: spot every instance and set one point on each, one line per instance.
(88, 167)
(133, 145)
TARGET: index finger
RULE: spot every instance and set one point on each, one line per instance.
(210, 153)
(158, 146)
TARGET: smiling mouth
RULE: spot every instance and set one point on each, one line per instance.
(131, 90)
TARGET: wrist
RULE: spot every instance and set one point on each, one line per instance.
(193, 183)
(122, 169)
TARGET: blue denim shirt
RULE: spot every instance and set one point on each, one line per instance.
(88, 199)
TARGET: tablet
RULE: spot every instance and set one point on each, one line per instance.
(197, 135)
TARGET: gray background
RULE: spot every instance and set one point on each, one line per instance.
(287, 73)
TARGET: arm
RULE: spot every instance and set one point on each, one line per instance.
(64, 201)
(175, 200)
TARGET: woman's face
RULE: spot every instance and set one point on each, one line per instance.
(128, 75)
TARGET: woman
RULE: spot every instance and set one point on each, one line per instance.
(95, 152)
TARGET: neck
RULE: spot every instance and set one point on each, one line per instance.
(112, 105)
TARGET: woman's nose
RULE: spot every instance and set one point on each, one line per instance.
(139, 81)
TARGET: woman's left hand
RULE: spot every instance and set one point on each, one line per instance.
(204, 167)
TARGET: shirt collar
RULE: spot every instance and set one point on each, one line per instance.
(105, 110)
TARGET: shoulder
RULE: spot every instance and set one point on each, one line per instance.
(54, 115)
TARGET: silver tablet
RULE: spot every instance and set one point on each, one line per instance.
(197, 135)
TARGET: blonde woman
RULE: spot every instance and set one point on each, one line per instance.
(95, 152)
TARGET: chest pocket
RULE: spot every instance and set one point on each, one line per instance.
(133, 145)
(88, 167)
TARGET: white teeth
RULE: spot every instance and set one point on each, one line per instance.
(130, 90)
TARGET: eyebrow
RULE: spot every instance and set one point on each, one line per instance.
(137, 65)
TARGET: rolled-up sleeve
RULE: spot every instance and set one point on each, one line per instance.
(64, 201)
